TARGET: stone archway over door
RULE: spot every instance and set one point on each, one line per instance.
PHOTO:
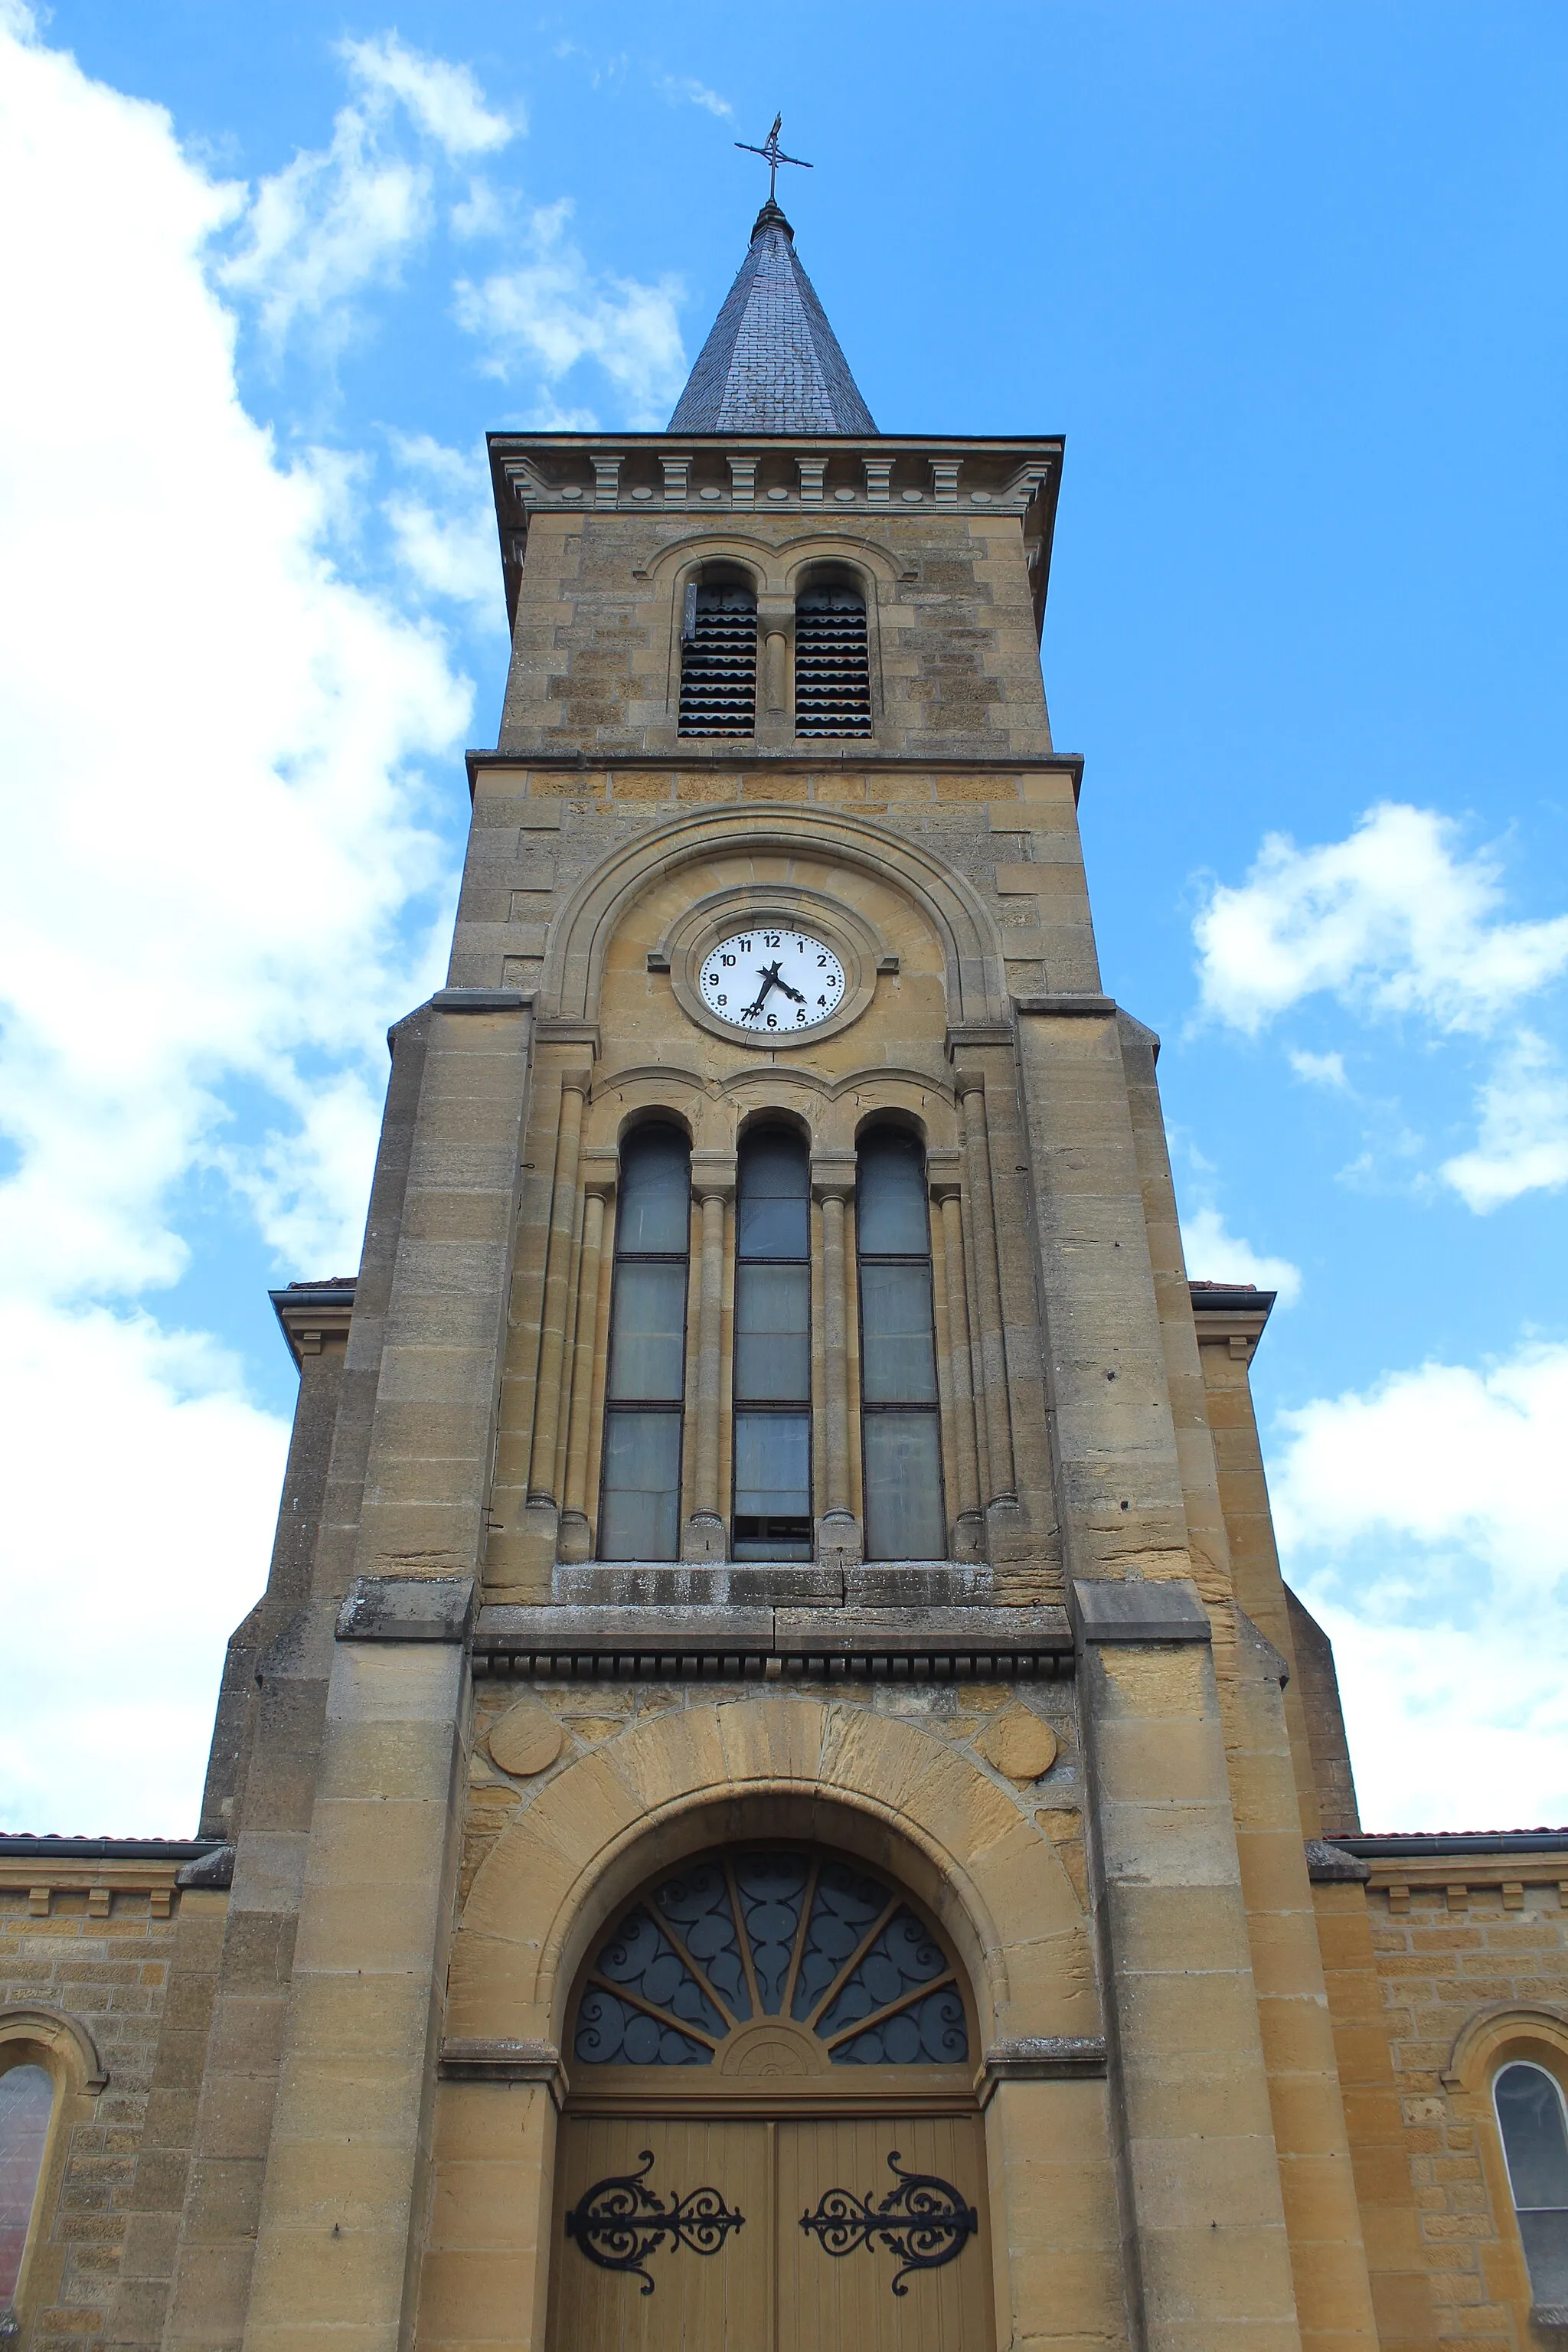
(772, 2138)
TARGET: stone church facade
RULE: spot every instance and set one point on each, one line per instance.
(776, 1794)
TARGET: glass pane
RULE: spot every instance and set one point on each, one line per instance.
(655, 1211)
(1530, 2111)
(773, 1465)
(772, 1216)
(641, 1514)
(1545, 2237)
(773, 1344)
(647, 1340)
(898, 1360)
(903, 1486)
(26, 2094)
(891, 1218)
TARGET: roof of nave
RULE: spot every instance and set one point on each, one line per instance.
(771, 363)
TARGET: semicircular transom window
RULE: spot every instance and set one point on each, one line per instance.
(771, 1959)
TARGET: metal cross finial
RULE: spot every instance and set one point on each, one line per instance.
(773, 155)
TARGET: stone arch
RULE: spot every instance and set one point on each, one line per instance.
(778, 564)
(971, 945)
(59, 2040)
(1507, 2030)
(872, 1785)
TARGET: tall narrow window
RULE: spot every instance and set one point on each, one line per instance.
(639, 1517)
(832, 664)
(772, 1350)
(900, 1428)
(1535, 2142)
(719, 661)
(27, 2096)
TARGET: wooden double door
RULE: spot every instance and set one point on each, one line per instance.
(799, 2231)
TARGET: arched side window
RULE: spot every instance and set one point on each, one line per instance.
(773, 1349)
(1534, 2134)
(640, 1511)
(718, 660)
(808, 1957)
(26, 2103)
(900, 1424)
(832, 663)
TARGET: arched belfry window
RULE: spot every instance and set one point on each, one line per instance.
(1530, 2119)
(639, 1512)
(26, 2102)
(773, 1349)
(832, 663)
(718, 659)
(814, 1955)
(901, 1423)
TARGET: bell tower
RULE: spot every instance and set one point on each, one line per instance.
(768, 1793)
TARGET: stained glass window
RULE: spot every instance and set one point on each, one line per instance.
(27, 2096)
(770, 1932)
(639, 1515)
(900, 1428)
(1529, 2116)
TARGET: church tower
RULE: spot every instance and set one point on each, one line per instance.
(775, 1796)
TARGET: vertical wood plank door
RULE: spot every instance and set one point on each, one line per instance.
(846, 2303)
(772, 2287)
(698, 2300)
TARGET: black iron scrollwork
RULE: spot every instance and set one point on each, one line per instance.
(923, 2221)
(618, 2223)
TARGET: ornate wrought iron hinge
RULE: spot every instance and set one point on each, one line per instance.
(924, 2220)
(618, 2223)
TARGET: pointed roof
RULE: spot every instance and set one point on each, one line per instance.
(771, 363)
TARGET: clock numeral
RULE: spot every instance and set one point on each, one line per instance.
(727, 960)
(771, 938)
(721, 1000)
(800, 1017)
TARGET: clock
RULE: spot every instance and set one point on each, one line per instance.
(772, 980)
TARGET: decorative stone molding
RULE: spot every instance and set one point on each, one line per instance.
(1042, 2058)
(65, 2036)
(474, 2061)
(408, 1609)
(1116, 1609)
(1494, 2028)
(746, 1645)
(1330, 1865)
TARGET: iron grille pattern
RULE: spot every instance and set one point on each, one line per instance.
(775, 1933)
(618, 2223)
(719, 665)
(922, 2220)
(832, 664)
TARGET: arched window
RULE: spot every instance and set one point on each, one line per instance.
(773, 1349)
(1535, 2143)
(27, 2101)
(718, 660)
(639, 1514)
(832, 663)
(836, 1959)
(900, 1426)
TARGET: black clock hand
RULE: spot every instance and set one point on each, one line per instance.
(769, 976)
(789, 990)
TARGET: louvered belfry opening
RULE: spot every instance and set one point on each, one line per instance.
(832, 664)
(719, 661)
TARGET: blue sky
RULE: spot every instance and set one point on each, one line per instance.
(1289, 278)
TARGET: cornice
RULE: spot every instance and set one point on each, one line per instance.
(309, 1313)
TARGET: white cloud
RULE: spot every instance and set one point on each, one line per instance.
(444, 99)
(340, 218)
(1524, 1141)
(214, 851)
(554, 311)
(1392, 919)
(139, 1508)
(1419, 1521)
(1213, 1255)
(448, 548)
(1320, 1069)
(682, 90)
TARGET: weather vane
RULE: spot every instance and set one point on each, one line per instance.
(773, 155)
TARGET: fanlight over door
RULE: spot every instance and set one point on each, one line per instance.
(772, 2137)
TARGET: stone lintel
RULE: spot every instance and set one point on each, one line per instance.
(1066, 1007)
(1042, 2058)
(1119, 1609)
(408, 1609)
(473, 2061)
(729, 1644)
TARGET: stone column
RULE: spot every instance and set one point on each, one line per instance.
(704, 1536)
(557, 1275)
(1206, 2258)
(840, 1537)
(1003, 1485)
(953, 1335)
(575, 1540)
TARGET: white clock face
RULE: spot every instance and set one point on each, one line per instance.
(771, 982)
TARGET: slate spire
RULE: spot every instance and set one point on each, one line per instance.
(771, 363)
